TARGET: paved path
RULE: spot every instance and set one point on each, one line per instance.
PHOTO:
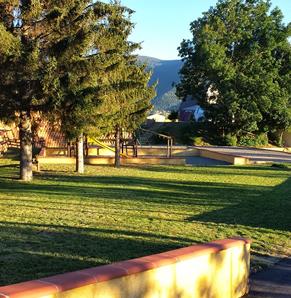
(203, 161)
(272, 283)
(255, 155)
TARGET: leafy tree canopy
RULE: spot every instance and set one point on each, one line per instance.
(238, 67)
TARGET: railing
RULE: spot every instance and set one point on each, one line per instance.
(7, 140)
(169, 140)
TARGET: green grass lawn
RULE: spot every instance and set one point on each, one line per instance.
(63, 222)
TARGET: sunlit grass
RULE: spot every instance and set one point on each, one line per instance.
(63, 222)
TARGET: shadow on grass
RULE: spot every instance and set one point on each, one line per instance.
(256, 171)
(146, 190)
(271, 210)
(238, 204)
(31, 251)
(12, 166)
(13, 154)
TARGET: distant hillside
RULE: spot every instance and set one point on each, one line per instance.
(166, 72)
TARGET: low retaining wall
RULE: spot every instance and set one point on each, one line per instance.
(217, 269)
(181, 151)
(177, 161)
(278, 149)
(107, 160)
(232, 159)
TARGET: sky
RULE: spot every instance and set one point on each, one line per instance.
(161, 25)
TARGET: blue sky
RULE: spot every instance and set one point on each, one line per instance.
(162, 24)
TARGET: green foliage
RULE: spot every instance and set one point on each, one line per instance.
(71, 62)
(238, 67)
(253, 140)
(230, 140)
(197, 141)
(123, 91)
(44, 63)
(262, 139)
(40, 46)
(182, 132)
(9, 44)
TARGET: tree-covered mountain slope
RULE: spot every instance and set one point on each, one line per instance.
(165, 72)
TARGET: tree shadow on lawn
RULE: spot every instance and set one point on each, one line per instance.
(256, 171)
(254, 206)
(145, 190)
(259, 171)
(9, 171)
(31, 251)
(271, 210)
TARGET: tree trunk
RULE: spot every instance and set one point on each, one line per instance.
(280, 138)
(25, 136)
(80, 154)
(117, 147)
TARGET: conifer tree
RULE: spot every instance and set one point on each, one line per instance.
(127, 85)
(40, 43)
(114, 95)
(86, 67)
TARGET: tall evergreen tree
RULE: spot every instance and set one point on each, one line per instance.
(86, 67)
(38, 40)
(112, 92)
(127, 87)
(239, 50)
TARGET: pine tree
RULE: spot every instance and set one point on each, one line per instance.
(86, 67)
(41, 41)
(239, 50)
(126, 86)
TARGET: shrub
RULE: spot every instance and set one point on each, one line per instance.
(253, 140)
(262, 139)
(230, 140)
(197, 141)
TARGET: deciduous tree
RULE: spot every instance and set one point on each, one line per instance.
(240, 51)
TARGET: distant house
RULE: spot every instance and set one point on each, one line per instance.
(189, 109)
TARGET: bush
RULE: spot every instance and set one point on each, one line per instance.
(197, 141)
(254, 140)
(230, 140)
(262, 139)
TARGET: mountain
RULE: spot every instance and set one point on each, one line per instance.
(165, 72)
